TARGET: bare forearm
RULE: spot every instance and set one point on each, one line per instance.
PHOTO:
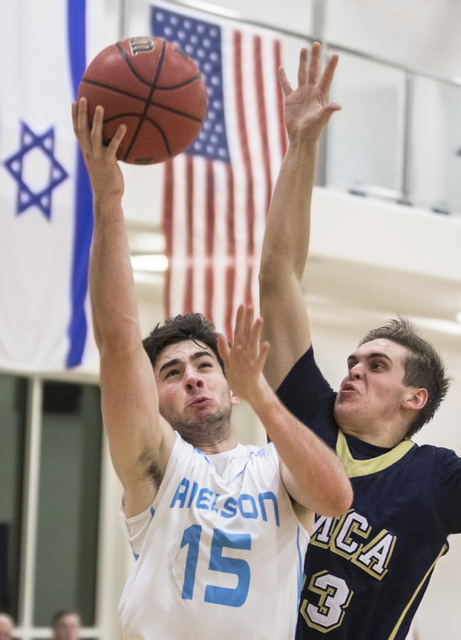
(315, 477)
(314, 467)
(286, 240)
(111, 277)
(284, 255)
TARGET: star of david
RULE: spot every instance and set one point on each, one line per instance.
(15, 165)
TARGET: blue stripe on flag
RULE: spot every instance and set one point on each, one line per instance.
(77, 331)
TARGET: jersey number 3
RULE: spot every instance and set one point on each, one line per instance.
(333, 597)
(221, 540)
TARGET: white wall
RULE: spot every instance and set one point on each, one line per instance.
(423, 34)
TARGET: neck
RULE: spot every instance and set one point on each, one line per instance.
(210, 439)
(384, 437)
(220, 447)
(211, 446)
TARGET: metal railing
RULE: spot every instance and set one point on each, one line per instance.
(403, 191)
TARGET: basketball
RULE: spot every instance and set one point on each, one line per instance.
(155, 89)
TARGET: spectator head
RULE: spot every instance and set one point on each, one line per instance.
(66, 625)
(6, 627)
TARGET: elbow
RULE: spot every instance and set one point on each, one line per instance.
(274, 280)
(266, 275)
(345, 499)
(118, 337)
(114, 350)
(276, 258)
(340, 501)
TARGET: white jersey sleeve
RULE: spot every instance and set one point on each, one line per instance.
(218, 555)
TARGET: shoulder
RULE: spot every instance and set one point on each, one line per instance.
(305, 377)
(446, 478)
(447, 463)
(307, 394)
(446, 460)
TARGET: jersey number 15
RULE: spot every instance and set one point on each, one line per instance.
(221, 540)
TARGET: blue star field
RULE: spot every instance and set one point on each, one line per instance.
(202, 41)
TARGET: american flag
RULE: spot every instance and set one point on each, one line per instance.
(217, 193)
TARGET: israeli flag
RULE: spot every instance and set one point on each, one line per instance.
(45, 197)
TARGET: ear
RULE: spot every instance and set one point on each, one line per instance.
(415, 400)
(234, 399)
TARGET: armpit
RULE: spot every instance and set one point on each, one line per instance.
(150, 468)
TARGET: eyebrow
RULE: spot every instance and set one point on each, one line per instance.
(194, 356)
(377, 354)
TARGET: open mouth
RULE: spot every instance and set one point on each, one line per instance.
(199, 401)
(348, 388)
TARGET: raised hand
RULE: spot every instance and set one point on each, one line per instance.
(244, 360)
(101, 162)
(307, 109)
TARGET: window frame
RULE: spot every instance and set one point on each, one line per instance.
(25, 628)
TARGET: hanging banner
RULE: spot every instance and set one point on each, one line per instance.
(46, 203)
(217, 193)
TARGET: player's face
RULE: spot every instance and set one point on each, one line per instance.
(68, 628)
(193, 391)
(372, 393)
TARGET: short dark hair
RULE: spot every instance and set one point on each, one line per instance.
(62, 613)
(191, 326)
(423, 367)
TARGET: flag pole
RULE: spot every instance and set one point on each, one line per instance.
(122, 14)
(319, 10)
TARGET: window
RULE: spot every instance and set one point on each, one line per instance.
(50, 467)
(13, 394)
(67, 532)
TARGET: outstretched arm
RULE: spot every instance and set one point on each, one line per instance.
(140, 440)
(286, 240)
(311, 472)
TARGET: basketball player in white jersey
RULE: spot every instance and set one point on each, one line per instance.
(219, 530)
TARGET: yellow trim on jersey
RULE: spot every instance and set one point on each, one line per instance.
(355, 468)
(397, 626)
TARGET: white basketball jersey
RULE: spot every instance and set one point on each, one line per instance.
(219, 554)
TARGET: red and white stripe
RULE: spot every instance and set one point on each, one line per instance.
(214, 212)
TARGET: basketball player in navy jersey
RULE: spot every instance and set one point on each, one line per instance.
(366, 571)
(218, 530)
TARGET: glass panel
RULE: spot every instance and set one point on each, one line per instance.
(67, 534)
(365, 139)
(436, 146)
(13, 402)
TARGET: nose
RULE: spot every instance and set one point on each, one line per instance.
(356, 372)
(192, 379)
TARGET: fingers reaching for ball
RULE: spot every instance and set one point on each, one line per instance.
(100, 156)
(92, 139)
(80, 122)
(96, 129)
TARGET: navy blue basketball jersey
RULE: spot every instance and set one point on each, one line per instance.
(366, 571)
